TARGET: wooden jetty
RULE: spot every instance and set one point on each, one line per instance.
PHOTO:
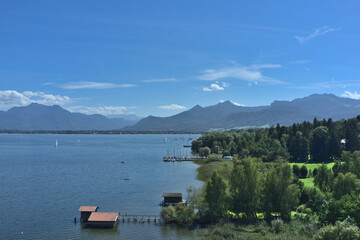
(139, 218)
(181, 159)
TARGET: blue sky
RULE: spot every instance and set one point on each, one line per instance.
(163, 57)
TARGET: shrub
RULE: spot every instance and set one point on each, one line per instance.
(315, 171)
(345, 230)
(303, 171)
(168, 214)
(180, 214)
(296, 170)
(349, 233)
(213, 159)
(277, 225)
(327, 232)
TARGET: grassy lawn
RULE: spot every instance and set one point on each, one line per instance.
(308, 182)
(312, 166)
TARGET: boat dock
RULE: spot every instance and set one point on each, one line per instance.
(139, 218)
(181, 159)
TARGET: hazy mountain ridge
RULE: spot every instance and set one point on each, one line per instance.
(227, 115)
(41, 117)
(223, 115)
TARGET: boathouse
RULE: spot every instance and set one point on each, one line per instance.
(86, 212)
(103, 219)
(172, 198)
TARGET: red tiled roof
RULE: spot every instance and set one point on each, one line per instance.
(88, 208)
(103, 216)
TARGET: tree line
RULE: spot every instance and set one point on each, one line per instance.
(319, 141)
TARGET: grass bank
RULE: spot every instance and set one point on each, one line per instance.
(207, 166)
(312, 166)
(262, 230)
(309, 182)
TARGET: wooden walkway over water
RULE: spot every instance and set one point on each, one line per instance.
(180, 159)
(139, 218)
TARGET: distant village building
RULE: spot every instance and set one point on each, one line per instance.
(86, 212)
(103, 219)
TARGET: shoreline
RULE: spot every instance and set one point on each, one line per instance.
(107, 132)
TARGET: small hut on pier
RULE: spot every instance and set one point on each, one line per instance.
(172, 198)
(103, 219)
(86, 212)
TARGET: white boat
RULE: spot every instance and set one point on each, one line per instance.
(56, 143)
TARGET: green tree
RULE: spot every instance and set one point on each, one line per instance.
(319, 148)
(313, 198)
(296, 170)
(351, 162)
(168, 214)
(280, 194)
(204, 152)
(338, 210)
(334, 144)
(298, 148)
(345, 184)
(216, 197)
(184, 214)
(315, 172)
(324, 178)
(246, 186)
(303, 171)
(351, 135)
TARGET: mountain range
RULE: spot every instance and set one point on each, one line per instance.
(41, 117)
(225, 115)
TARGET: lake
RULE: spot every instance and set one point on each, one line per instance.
(42, 187)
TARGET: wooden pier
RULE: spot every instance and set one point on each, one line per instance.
(181, 159)
(139, 218)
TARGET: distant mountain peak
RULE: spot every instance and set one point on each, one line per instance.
(36, 116)
(228, 114)
(196, 107)
(227, 102)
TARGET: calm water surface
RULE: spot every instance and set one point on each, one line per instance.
(42, 186)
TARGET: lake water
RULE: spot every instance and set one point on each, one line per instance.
(42, 187)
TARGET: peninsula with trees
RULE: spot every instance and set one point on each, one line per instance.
(284, 182)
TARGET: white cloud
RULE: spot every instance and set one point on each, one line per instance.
(213, 87)
(172, 107)
(225, 84)
(48, 83)
(245, 73)
(330, 84)
(354, 95)
(104, 110)
(11, 98)
(160, 80)
(316, 33)
(94, 85)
